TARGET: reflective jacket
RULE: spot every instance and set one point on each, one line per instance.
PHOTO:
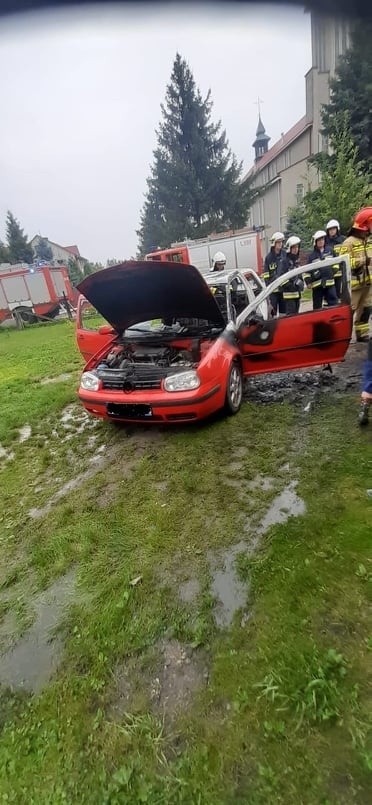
(357, 249)
(291, 289)
(334, 245)
(323, 277)
(271, 264)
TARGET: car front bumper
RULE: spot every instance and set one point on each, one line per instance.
(154, 408)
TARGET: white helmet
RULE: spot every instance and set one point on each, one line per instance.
(292, 241)
(319, 234)
(333, 224)
(219, 257)
(276, 236)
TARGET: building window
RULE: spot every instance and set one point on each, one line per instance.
(287, 158)
(299, 193)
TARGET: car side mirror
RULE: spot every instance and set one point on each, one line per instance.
(105, 329)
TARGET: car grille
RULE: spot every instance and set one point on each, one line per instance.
(138, 378)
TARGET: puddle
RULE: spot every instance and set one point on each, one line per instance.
(189, 590)
(31, 662)
(57, 379)
(74, 420)
(287, 504)
(230, 592)
(24, 433)
(69, 486)
(226, 587)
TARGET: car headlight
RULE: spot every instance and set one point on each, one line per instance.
(184, 381)
(89, 381)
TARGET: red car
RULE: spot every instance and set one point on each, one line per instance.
(210, 332)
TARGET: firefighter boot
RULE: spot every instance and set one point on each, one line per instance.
(363, 417)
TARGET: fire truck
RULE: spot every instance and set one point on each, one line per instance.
(33, 291)
(242, 249)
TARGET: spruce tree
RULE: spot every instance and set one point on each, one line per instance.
(43, 250)
(74, 272)
(17, 242)
(194, 187)
(344, 187)
(351, 91)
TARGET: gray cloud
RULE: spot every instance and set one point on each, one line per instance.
(81, 94)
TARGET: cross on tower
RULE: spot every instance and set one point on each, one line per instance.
(258, 104)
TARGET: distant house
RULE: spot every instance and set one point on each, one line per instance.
(62, 254)
(282, 170)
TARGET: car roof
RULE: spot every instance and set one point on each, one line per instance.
(221, 277)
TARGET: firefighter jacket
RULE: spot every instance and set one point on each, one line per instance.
(271, 264)
(357, 249)
(322, 277)
(293, 288)
(334, 245)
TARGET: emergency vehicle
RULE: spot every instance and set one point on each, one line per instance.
(242, 249)
(33, 290)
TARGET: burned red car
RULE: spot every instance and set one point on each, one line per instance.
(177, 345)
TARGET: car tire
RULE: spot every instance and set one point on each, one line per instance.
(234, 389)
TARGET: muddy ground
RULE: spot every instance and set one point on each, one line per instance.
(176, 671)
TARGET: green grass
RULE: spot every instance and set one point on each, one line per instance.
(285, 717)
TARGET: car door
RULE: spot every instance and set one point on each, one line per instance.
(92, 331)
(312, 338)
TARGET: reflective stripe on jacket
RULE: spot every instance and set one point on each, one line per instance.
(322, 276)
(334, 245)
(356, 248)
(271, 264)
(289, 289)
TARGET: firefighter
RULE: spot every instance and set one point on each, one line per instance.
(333, 242)
(219, 262)
(271, 264)
(356, 246)
(321, 281)
(291, 290)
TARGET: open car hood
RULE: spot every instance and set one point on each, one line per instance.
(133, 292)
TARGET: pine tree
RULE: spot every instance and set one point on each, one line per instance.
(344, 185)
(351, 91)
(18, 247)
(43, 250)
(74, 272)
(194, 187)
(297, 225)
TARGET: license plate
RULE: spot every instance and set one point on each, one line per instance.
(129, 411)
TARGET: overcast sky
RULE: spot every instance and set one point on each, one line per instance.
(80, 100)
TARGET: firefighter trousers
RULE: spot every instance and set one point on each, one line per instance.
(290, 306)
(338, 286)
(359, 297)
(327, 294)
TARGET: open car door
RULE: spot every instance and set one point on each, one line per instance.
(311, 338)
(92, 331)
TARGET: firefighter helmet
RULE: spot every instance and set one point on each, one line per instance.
(319, 234)
(333, 224)
(277, 236)
(292, 241)
(219, 257)
(363, 220)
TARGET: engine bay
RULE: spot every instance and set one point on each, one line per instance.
(136, 365)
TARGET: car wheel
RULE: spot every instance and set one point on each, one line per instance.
(234, 389)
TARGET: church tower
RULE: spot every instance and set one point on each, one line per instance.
(261, 142)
